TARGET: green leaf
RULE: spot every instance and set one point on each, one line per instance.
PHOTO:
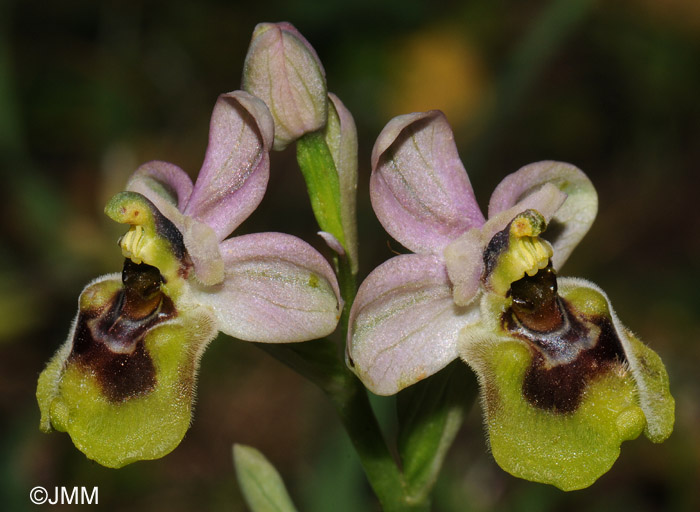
(261, 484)
(430, 414)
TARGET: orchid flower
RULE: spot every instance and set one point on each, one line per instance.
(123, 383)
(562, 381)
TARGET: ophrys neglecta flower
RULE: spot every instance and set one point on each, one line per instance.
(123, 383)
(563, 382)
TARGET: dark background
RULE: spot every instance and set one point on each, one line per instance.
(89, 90)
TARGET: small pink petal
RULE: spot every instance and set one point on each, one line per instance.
(464, 259)
(571, 221)
(404, 324)
(203, 247)
(419, 188)
(164, 184)
(546, 200)
(234, 175)
(332, 242)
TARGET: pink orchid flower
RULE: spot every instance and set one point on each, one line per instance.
(487, 291)
(123, 383)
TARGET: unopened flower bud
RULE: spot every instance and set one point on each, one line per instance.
(283, 70)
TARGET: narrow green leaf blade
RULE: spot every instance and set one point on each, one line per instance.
(261, 484)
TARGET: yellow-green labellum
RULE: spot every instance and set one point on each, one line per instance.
(122, 386)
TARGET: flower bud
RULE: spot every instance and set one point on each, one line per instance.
(283, 70)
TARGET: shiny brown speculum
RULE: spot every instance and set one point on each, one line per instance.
(536, 303)
(569, 348)
(109, 340)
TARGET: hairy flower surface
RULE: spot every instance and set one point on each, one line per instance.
(123, 383)
(563, 382)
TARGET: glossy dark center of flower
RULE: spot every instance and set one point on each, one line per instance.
(569, 348)
(536, 302)
(142, 294)
(109, 341)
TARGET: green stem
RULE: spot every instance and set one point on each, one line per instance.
(361, 424)
(321, 177)
(323, 362)
(348, 290)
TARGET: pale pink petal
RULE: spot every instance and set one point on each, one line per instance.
(277, 289)
(234, 175)
(546, 200)
(419, 188)
(404, 323)
(571, 221)
(164, 184)
(464, 259)
(202, 245)
(332, 242)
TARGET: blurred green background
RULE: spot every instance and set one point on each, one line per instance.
(89, 90)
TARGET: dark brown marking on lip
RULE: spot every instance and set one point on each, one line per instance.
(560, 388)
(109, 342)
(569, 349)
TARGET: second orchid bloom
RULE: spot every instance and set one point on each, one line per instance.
(563, 382)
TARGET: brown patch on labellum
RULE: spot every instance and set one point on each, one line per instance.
(569, 349)
(109, 341)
